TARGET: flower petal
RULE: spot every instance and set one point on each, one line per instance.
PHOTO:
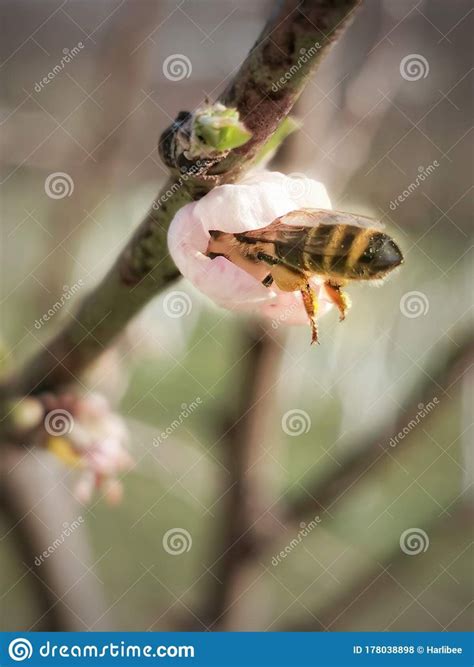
(251, 204)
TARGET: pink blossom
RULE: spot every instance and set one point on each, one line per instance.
(251, 204)
(83, 432)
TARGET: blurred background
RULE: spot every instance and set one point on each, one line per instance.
(294, 488)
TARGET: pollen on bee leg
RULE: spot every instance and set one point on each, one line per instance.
(310, 302)
(339, 298)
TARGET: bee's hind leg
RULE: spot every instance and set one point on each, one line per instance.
(310, 302)
(268, 259)
(339, 298)
(289, 280)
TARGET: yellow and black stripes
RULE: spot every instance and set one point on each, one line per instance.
(361, 243)
(334, 250)
(337, 251)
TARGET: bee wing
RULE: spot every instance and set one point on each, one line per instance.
(276, 231)
(311, 217)
(292, 236)
(292, 225)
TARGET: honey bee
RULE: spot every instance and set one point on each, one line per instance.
(338, 247)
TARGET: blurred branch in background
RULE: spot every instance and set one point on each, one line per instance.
(67, 591)
(447, 368)
(248, 486)
(386, 575)
(253, 526)
(120, 72)
(65, 604)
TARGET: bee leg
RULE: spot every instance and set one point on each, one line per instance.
(268, 280)
(289, 280)
(268, 259)
(338, 297)
(310, 302)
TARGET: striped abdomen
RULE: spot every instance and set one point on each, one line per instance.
(343, 251)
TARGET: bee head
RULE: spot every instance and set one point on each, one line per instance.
(380, 256)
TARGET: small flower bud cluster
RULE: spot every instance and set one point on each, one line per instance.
(80, 430)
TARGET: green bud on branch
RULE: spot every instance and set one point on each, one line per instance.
(217, 129)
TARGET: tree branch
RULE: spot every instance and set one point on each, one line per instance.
(244, 523)
(290, 47)
(369, 456)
